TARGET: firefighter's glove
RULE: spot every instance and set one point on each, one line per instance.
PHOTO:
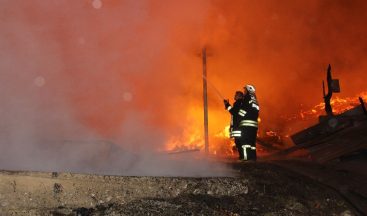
(226, 104)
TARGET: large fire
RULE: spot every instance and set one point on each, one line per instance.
(221, 144)
(130, 71)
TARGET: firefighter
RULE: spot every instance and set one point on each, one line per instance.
(234, 131)
(248, 125)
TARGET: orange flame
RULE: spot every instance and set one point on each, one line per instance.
(339, 105)
(192, 136)
(220, 142)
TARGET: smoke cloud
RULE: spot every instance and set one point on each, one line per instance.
(103, 86)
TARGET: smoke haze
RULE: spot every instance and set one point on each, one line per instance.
(103, 85)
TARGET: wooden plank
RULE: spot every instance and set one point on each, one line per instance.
(318, 148)
(329, 125)
(353, 141)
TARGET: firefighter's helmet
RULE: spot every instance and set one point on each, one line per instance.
(250, 88)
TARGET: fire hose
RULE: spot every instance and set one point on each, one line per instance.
(214, 88)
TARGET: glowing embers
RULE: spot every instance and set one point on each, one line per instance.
(338, 104)
(191, 137)
(272, 134)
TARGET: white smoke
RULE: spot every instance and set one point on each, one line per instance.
(64, 64)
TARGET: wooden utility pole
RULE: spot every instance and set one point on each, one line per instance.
(205, 98)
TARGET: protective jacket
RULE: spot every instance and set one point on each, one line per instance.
(235, 118)
(249, 111)
(248, 126)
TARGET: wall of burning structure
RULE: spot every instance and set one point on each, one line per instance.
(130, 72)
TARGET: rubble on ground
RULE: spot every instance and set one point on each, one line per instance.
(258, 189)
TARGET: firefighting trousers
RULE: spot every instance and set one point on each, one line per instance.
(238, 143)
(247, 143)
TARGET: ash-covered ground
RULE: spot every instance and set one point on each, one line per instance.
(257, 189)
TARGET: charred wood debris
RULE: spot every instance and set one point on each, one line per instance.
(335, 137)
